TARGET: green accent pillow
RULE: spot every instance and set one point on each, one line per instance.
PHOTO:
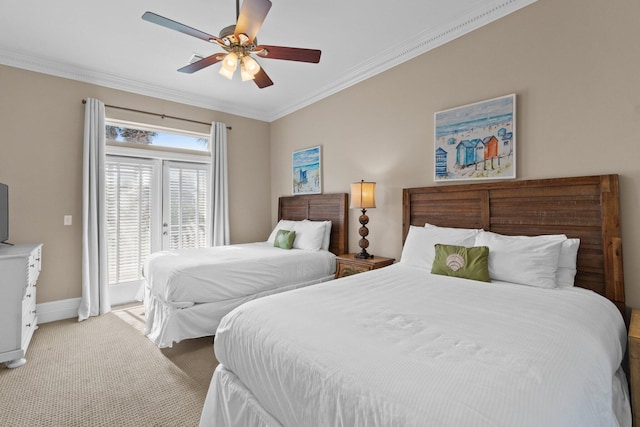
(459, 261)
(284, 239)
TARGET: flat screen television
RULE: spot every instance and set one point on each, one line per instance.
(4, 213)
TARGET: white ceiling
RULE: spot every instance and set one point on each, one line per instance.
(107, 43)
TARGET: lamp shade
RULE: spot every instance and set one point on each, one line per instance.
(245, 74)
(363, 195)
(229, 64)
(250, 65)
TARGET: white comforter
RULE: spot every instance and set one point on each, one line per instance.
(401, 347)
(190, 276)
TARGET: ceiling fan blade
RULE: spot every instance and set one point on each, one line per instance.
(173, 25)
(251, 17)
(261, 79)
(199, 65)
(288, 53)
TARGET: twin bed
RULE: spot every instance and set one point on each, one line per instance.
(541, 344)
(188, 291)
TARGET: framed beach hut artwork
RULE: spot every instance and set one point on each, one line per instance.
(476, 141)
(307, 171)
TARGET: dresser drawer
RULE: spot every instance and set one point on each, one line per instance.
(345, 270)
(29, 301)
(29, 324)
(33, 266)
(349, 264)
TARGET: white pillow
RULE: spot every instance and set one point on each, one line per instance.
(326, 241)
(427, 225)
(283, 224)
(566, 274)
(525, 260)
(419, 247)
(309, 235)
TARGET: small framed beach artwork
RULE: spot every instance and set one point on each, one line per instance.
(307, 171)
(476, 141)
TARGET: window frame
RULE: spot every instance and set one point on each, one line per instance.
(146, 150)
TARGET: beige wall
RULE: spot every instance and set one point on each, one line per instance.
(572, 64)
(41, 125)
(574, 67)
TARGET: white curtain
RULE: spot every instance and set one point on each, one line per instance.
(95, 299)
(219, 186)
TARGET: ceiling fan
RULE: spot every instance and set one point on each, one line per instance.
(240, 42)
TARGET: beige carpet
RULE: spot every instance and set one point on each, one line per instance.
(133, 315)
(104, 372)
(194, 356)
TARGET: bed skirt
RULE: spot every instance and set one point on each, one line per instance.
(230, 403)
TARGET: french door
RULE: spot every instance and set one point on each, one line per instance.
(184, 209)
(151, 205)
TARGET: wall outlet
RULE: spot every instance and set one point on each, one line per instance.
(68, 220)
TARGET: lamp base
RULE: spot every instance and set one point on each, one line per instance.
(363, 231)
(363, 255)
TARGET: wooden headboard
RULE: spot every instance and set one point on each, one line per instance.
(583, 207)
(320, 207)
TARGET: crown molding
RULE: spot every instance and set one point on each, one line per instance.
(428, 40)
(100, 78)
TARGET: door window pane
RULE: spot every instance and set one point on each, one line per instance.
(128, 212)
(187, 194)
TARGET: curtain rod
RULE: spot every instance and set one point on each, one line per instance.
(164, 116)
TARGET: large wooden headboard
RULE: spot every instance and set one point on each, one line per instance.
(583, 207)
(320, 207)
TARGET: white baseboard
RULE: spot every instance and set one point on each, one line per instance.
(123, 293)
(57, 310)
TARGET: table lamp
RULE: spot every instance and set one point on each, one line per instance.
(363, 197)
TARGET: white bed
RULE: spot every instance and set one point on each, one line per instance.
(401, 347)
(217, 280)
(186, 292)
(540, 344)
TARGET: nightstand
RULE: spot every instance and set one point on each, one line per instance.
(634, 365)
(348, 264)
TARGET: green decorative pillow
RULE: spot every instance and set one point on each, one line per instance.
(284, 239)
(459, 261)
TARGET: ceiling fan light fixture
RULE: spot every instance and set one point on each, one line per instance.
(229, 65)
(250, 65)
(246, 76)
(230, 61)
(225, 72)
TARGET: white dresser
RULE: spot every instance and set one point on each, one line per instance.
(19, 270)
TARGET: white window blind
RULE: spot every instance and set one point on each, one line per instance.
(186, 190)
(128, 189)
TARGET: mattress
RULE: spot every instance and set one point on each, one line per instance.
(185, 277)
(401, 347)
